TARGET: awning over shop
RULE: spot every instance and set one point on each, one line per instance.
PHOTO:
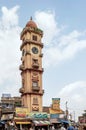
(7, 116)
(65, 121)
(23, 122)
(54, 121)
(41, 123)
(48, 122)
(2, 122)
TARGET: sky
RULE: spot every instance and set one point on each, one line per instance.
(64, 25)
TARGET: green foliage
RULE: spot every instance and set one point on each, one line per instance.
(38, 30)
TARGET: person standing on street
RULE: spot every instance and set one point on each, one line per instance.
(71, 127)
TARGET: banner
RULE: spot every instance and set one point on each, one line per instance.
(39, 115)
(54, 116)
(56, 103)
(21, 112)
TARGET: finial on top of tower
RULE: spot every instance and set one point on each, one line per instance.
(31, 23)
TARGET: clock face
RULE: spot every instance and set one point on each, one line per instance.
(35, 50)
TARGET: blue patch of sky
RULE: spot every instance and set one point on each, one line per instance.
(71, 13)
(67, 72)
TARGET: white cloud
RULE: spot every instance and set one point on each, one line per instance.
(74, 94)
(46, 21)
(9, 51)
(9, 17)
(60, 47)
(63, 47)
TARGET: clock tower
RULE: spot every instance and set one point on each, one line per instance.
(31, 67)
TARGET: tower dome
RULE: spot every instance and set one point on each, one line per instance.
(31, 23)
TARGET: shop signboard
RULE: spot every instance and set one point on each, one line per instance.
(55, 100)
(21, 112)
(56, 103)
(82, 119)
(39, 115)
(54, 116)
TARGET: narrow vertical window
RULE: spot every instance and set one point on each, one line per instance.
(23, 52)
(35, 101)
(35, 84)
(34, 38)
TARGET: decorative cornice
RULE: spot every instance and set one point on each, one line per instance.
(34, 93)
(29, 29)
(41, 55)
(32, 69)
(27, 41)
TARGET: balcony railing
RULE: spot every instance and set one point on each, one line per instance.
(35, 88)
(21, 90)
(21, 67)
(35, 65)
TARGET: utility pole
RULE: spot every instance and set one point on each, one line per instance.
(74, 116)
(66, 110)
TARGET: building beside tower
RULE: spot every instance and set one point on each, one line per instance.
(31, 67)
